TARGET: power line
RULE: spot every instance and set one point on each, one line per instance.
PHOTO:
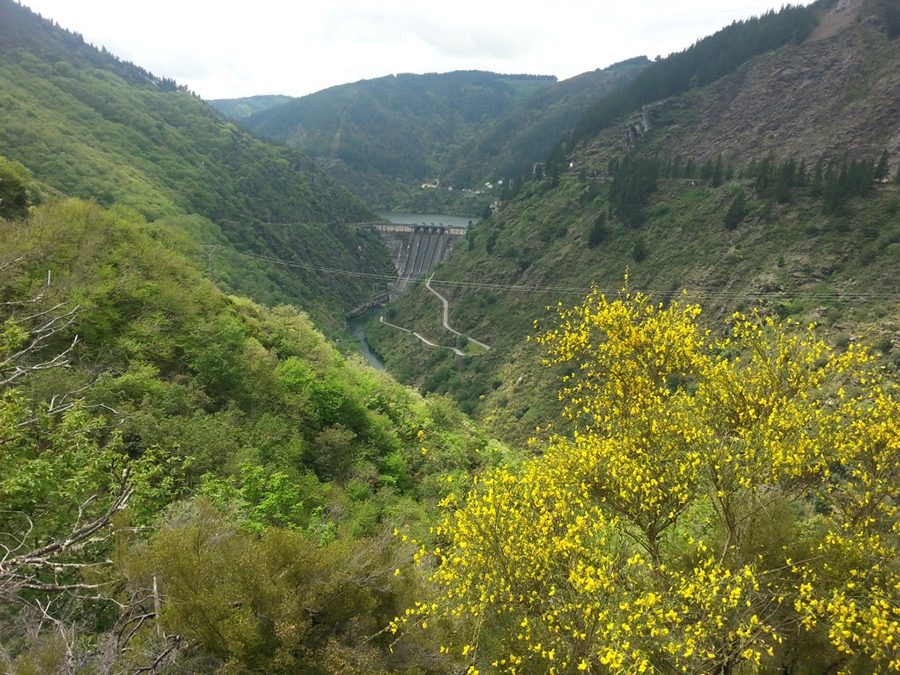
(580, 290)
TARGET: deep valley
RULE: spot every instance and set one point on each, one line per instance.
(631, 406)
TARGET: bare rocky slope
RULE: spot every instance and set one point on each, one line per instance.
(835, 96)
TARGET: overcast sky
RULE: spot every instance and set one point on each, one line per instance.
(228, 49)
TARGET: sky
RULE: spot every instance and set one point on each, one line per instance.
(230, 49)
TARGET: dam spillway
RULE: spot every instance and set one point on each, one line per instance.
(416, 249)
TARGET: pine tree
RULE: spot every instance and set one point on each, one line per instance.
(718, 174)
(736, 211)
(883, 170)
(598, 232)
(818, 178)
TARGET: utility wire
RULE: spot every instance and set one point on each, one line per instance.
(851, 297)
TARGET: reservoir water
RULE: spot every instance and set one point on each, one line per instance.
(427, 219)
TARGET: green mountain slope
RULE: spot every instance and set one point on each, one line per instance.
(386, 136)
(736, 237)
(511, 145)
(239, 108)
(93, 127)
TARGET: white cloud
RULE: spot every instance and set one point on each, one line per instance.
(277, 46)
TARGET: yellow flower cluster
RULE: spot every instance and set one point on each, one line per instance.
(720, 501)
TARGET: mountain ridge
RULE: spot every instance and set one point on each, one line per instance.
(94, 127)
(386, 136)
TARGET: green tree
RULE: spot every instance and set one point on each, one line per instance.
(639, 251)
(14, 192)
(598, 231)
(273, 602)
(718, 173)
(736, 211)
(883, 170)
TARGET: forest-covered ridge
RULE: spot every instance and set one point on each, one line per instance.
(87, 125)
(239, 108)
(510, 146)
(383, 138)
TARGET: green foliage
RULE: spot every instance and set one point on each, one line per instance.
(242, 430)
(100, 129)
(14, 190)
(264, 499)
(598, 233)
(50, 465)
(834, 183)
(273, 603)
(634, 181)
(736, 211)
(639, 251)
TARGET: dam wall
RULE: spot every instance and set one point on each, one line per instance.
(416, 249)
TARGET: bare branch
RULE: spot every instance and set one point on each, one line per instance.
(174, 642)
(59, 588)
(40, 328)
(14, 568)
(12, 263)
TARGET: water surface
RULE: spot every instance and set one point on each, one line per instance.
(358, 330)
(426, 218)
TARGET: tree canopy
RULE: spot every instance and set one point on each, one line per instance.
(724, 503)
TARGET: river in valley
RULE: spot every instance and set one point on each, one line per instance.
(358, 330)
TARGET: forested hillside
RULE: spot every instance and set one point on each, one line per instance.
(238, 108)
(90, 126)
(383, 138)
(512, 145)
(763, 224)
(164, 442)
(191, 481)
(703, 478)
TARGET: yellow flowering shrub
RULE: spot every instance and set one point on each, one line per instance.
(723, 506)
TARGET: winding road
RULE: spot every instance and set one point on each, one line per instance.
(423, 340)
(447, 316)
(446, 324)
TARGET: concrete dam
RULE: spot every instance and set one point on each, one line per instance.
(416, 249)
